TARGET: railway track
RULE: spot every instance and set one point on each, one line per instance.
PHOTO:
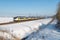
(12, 22)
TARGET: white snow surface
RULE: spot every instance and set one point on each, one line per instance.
(32, 30)
(5, 19)
(49, 33)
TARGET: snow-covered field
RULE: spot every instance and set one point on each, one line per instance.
(5, 19)
(32, 30)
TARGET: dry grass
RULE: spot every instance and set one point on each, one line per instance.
(2, 38)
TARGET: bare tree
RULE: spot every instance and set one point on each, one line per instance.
(58, 16)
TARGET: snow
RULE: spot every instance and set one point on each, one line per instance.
(5, 19)
(22, 29)
(32, 30)
(49, 33)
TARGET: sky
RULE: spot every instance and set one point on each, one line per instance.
(28, 7)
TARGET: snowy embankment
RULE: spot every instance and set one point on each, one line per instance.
(24, 29)
(49, 33)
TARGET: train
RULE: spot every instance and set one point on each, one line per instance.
(20, 18)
